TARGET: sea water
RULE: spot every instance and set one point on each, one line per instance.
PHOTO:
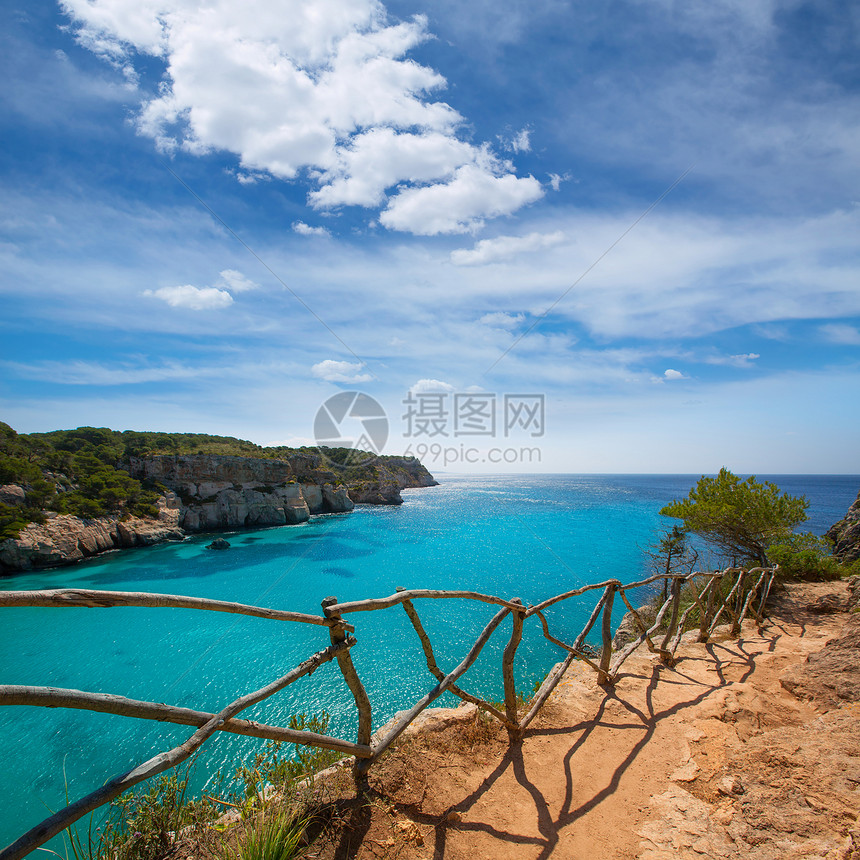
(511, 536)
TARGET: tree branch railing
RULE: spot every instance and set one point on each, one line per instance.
(702, 595)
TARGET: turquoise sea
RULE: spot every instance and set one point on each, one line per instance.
(513, 536)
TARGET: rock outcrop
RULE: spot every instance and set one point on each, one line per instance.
(64, 539)
(12, 494)
(388, 476)
(846, 534)
(220, 492)
(210, 492)
(629, 629)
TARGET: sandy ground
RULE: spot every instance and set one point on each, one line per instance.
(711, 758)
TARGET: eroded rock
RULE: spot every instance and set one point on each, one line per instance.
(846, 534)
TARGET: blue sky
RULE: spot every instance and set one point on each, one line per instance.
(217, 215)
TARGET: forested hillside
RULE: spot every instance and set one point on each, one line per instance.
(84, 471)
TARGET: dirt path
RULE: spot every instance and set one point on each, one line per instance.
(711, 758)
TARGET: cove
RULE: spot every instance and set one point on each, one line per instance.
(512, 536)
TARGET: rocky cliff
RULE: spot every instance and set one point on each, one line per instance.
(210, 492)
(846, 534)
(386, 477)
(63, 539)
(218, 492)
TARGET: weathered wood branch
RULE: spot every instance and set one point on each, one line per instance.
(91, 598)
(508, 665)
(440, 688)
(630, 647)
(578, 642)
(545, 691)
(604, 676)
(766, 592)
(439, 675)
(375, 603)
(105, 703)
(643, 627)
(572, 649)
(347, 667)
(665, 654)
(680, 632)
(751, 594)
(545, 604)
(697, 598)
(159, 763)
(726, 604)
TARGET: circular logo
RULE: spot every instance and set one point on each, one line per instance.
(354, 421)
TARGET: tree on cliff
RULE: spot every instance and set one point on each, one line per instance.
(740, 518)
(671, 554)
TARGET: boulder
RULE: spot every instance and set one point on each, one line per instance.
(336, 499)
(628, 629)
(845, 534)
(219, 543)
(12, 494)
(832, 675)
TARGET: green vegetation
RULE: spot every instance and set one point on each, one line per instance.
(741, 519)
(271, 806)
(671, 554)
(750, 523)
(71, 472)
(83, 471)
(807, 556)
(273, 767)
(274, 836)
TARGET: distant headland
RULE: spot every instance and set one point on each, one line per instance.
(71, 494)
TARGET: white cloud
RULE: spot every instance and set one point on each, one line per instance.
(772, 331)
(841, 333)
(324, 88)
(520, 142)
(424, 386)
(504, 247)
(380, 158)
(94, 373)
(237, 282)
(340, 371)
(460, 206)
(499, 319)
(556, 179)
(673, 374)
(193, 298)
(742, 360)
(306, 230)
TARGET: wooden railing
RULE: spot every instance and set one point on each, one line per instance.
(703, 594)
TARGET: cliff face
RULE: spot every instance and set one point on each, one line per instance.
(210, 492)
(219, 492)
(846, 534)
(64, 539)
(388, 476)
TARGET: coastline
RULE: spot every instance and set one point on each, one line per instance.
(205, 493)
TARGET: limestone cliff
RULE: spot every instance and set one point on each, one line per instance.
(64, 539)
(221, 492)
(386, 477)
(211, 492)
(846, 534)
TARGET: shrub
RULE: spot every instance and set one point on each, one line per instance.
(807, 556)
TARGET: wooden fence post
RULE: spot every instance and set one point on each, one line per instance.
(739, 603)
(508, 670)
(708, 614)
(666, 656)
(603, 676)
(337, 632)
